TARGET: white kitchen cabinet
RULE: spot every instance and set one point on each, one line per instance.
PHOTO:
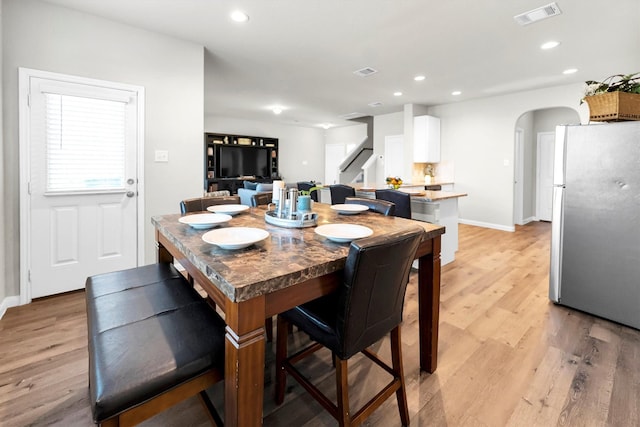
(426, 139)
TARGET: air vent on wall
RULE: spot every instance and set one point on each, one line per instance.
(364, 72)
(538, 14)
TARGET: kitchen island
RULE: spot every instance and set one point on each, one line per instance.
(440, 207)
(435, 207)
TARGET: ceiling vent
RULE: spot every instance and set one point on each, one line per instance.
(375, 104)
(543, 12)
(364, 72)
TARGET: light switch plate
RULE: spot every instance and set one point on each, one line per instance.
(162, 156)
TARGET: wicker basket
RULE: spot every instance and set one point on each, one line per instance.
(614, 106)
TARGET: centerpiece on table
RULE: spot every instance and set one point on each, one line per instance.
(616, 98)
(304, 199)
(394, 182)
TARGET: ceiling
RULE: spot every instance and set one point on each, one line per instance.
(301, 54)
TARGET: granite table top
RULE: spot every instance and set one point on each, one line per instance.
(288, 256)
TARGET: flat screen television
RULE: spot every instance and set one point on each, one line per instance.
(233, 161)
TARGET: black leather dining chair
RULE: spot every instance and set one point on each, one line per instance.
(200, 204)
(366, 307)
(339, 192)
(401, 199)
(374, 205)
(306, 186)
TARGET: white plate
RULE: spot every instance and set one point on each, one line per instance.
(343, 232)
(235, 237)
(349, 209)
(205, 220)
(228, 209)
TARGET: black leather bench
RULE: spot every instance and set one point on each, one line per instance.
(153, 342)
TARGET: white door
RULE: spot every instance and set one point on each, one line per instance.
(393, 155)
(333, 156)
(82, 183)
(546, 144)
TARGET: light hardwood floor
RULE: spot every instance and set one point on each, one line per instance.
(507, 357)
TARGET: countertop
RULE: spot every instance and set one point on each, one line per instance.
(423, 184)
(418, 193)
(434, 196)
(413, 185)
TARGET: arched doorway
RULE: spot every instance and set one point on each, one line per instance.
(533, 158)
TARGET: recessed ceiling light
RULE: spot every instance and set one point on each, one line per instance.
(326, 125)
(549, 45)
(570, 71)
(456, 93)
(397, 93)
(419, 78)
(276, 110)
(239, 16)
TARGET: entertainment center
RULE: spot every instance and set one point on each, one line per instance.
(232, 159)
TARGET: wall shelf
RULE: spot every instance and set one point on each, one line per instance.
(215, 176)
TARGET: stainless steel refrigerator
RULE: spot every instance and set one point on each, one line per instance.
(595, 232)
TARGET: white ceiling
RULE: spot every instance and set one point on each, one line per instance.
(301, 54)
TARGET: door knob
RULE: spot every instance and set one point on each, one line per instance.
(130, 193)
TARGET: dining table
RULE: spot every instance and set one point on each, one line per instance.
(288, 267)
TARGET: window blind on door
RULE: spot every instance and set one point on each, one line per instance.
(85, 143)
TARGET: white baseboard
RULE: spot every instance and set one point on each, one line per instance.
(488, 225)
(7, 303)
(528, 220)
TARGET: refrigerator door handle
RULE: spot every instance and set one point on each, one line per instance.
(557, 229)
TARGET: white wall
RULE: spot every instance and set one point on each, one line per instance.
(525, 122)
(477, 136)
(50, 38)
(346, 134)
(349, 136)
(3, 241)
(301, 149)
(383, 126)
(546, 120)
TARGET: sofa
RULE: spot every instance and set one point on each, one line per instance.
(250, 188)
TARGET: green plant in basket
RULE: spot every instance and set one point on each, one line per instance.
(629, 83)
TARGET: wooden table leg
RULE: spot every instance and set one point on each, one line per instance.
(429, 306)
(162, 253)
(244, 363)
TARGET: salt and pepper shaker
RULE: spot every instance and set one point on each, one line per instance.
(282, 202)
(293, 202)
